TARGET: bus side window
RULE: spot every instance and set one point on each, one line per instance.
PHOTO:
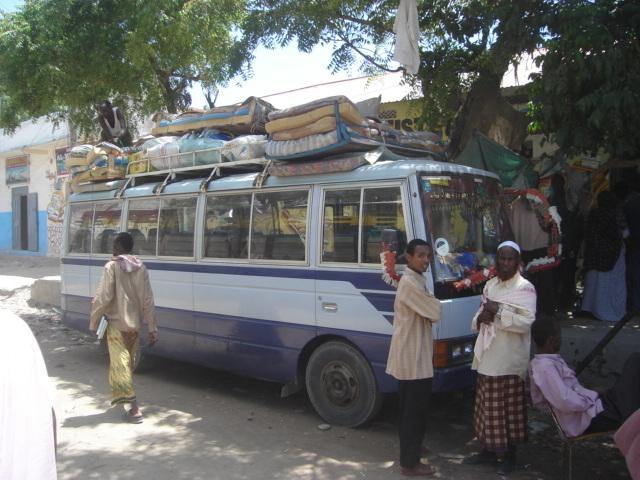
(227, 226)
(176, 227)
(279, 225)
(382, 211)
(106, 224)
(142, 224)
(340, 226)
(79, 234)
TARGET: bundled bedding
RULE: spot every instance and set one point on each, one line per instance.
(334, 125)
(248, 117)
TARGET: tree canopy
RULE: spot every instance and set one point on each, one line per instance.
(62, 57)
(588, 87)
(588, 92)
(465, 49)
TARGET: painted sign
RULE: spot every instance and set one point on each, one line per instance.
(61, 155)
(405, 115)
(17, 169)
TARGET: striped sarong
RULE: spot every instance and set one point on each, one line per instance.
(122, 347)
(500, 413)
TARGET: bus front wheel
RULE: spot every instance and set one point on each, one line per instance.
(341, 385)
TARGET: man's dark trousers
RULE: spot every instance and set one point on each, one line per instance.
(413, 396)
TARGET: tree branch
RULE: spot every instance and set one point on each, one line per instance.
(365, 56)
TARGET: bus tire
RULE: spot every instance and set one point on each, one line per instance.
(341, 385)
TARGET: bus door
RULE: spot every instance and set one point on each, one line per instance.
(352, 299)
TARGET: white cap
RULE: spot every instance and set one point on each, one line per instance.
(511, 244)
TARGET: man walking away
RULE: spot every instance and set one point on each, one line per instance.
(124, 296)
(501, 357)
(410, 355)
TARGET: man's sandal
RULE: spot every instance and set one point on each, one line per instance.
(128, 417)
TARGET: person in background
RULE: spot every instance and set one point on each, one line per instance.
(113, 124)
(605, 292)
(125, 297)
(501, 356)
(410, 356)
(27, 417)
(564, 274)
(630, 200)
(578, 409)
(534, 243)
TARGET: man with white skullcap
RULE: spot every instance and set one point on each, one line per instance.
(501, 357)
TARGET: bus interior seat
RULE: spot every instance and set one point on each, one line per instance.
(81, 241)
(139, 241)
(217, 245)
(345, 247)
(104, 240)
(150, 246)
(258, 245)
(286, 247)
(176, 244)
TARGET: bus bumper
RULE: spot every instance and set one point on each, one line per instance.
(453, 378)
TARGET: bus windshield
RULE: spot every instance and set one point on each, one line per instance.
(466, 222)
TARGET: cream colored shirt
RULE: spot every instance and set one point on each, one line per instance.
(415, 309)
(508, 353)
(125, 298)
(526, 228)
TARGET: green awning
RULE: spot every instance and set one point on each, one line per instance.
(513, 169)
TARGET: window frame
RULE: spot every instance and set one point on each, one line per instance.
(259, 261)
(67, 230)
(93, 223)
(400, 184)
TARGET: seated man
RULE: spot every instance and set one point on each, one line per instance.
(578, 409)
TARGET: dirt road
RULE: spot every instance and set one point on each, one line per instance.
(202, 424)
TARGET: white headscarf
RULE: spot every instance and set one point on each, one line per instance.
(511, 244)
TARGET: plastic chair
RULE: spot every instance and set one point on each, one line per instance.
(569, 442)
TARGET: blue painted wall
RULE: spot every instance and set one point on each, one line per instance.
(6, 234)
(5, 230)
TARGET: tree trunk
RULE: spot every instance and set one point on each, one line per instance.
(485, 110)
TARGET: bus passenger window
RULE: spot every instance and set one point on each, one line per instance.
(106, 224)
(176, 227)
(79, 235)
(142, 224)
(227, 226)
(340, 226)
(382, 215)
(279, 226)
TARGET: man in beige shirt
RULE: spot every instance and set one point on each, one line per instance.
(410, 355)
(124, 296)
(501, 357)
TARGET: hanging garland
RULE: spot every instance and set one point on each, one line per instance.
(549, 221)
(475, 278)
(388, 260)
(391, 277)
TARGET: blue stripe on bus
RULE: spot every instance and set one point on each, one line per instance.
(258, 348)
(360, 280)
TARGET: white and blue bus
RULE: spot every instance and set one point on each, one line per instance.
(283, 281)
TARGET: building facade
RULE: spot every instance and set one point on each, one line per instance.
(31, 188)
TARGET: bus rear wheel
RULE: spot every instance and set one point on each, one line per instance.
(341, 385)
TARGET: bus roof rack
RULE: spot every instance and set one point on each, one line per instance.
(188, 165)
